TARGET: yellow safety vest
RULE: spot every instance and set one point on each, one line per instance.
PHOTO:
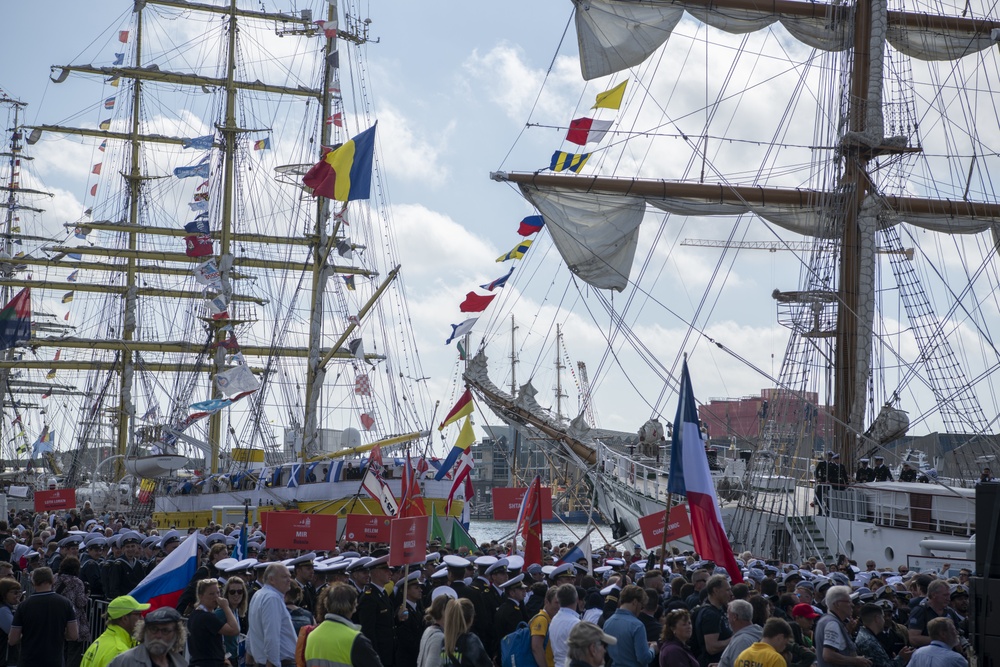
(329, 645)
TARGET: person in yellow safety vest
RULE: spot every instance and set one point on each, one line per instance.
(123, 613)
(337, 642)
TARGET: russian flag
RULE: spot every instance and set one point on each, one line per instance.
(581, 550)
(163, 586)
(690, 477)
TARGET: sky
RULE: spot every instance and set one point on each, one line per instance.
(455, 86)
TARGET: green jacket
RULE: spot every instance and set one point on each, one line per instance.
(114, 641)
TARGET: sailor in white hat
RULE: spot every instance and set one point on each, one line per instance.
(511, 611)
(358, 574)
(303, 573)
(375, 613)
(410, 617)
(457, 567)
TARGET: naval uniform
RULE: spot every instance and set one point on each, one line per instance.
(376, 620)
(882, 473)
(510, 613)
(486, 601)
(822, 469)
(865, 474)
(125, 576)
(408, 634)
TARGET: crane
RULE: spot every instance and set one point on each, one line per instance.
(774, 246)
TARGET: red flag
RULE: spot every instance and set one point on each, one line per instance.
(123, 36)
(198, 245)
(530, 523)
(411, 504)
(475, 303)
(362, 386)
(97, 168)
(463, 473)
(375, 457)
(367, 421)
(422, 467)
(93, 190)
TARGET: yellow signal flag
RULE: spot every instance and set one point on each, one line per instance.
(611, 99)
(466, 436)
(51, 374)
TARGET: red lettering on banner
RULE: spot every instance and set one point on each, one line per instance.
(408, 540)
(56, 499)
(507, 503)
(651, 526)
(308, 532)
(367, 528)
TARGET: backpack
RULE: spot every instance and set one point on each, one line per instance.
(300, 645)
(697, 639)
(515, 648)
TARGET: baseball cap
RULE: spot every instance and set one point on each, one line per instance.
(124, 605)
(584, 634)
(805, 611)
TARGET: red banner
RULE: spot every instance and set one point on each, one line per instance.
(57, 499)
(408, 541)
(367, 528)
(278, 514)
(652, 526)
(507, 503)
(308, 532)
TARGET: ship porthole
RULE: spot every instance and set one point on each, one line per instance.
(889, 554)
(850, 547)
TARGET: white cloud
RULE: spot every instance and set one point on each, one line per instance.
(408, 156)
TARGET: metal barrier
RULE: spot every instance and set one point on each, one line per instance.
(97, 617)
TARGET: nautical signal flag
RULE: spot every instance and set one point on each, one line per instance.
(262, 144)
(690, 477)
(93, 190)
(463, 408)
(517, 252)
(345, 173)
(465, 439)
(476, 303)
(104, 146)
(114, 81)
(67, 297)
(561, 161)
(109, 103)
(459, 330)
(349, 283)
(611, 99)
(105, 124)
(15, 320)
(336, 119)
(531, 225)
(123, 36)
(97, 168)
(587, 130)
(499, 282)
(367, 421)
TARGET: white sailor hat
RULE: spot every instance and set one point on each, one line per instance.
(756, 574)
(32, 554)
(215, 538)
(129, 536)
(239, 566)
(223, 564)
(358, 563)
(432, 557)
(351, 554)
(262, 565)
(500, 565)
(879, 457)
(608, 590)
(547, 569)
(564, 570)
(615, 562)
(440, 574)
(381, 561)
(71, 541)
(414, 578)
(332, 559)
(862, 460)
(337, 566)
(513, 582)
(535, 568)
(444, 590)
(515, 562)
(603, 569)
(256, 546)
(97, 542)
(151, 541)
(304, 559)
(89, 522)
(168, 537)
(230, 541)
(485, 561)
(452, 560)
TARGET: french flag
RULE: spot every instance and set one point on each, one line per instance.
(690, 477)
(163, 586)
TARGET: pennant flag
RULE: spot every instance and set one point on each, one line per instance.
(349, 283)
(96, 168)
(367, 421)
(379, 490)
(465, 439)
(104, 146)
(499, 282)
(517, 252)
(411, 504)
(163, 586)
(66, 316)
(562, 161)
(584, 131)
(119, 59)
(463, 408)
(461, 350)
(198, 226)
(44, 442)
(611, 99)
(67, 297)
(475, 303)
(461, 538)
(345, 174)
(109, 103)
(531, 225)
(17, 420)
(690, 477)
(201, 143)
(93, 190)
(436, 532)
(198, 245)
(51, 374)
(262, 144)
(236, 380)
(336, 119)
(459, 330)
(529, 523)
(15, 320)
(105, 124)
(114, 81)
(58, 354)
(198, 170)
(463, 477)
(357, 348)
(123, 36)
(240, 548)
(375, 458)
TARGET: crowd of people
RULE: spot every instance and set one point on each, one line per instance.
(347, 606)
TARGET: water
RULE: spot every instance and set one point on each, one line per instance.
(486, 531)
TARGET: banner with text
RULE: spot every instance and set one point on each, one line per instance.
(56, 499)
(507, 503)
(308, 532)
(278, 515)
(651, 526)
(367, 528)
(408, 541)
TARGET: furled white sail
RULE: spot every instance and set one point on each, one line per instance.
(614, 35)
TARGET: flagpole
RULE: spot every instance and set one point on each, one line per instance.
(666, 524)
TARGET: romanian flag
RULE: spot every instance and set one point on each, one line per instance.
(517, 252)
(262, 144)
(345, 173)
(561, 161)
(463, 408)
(465, 439)
(611, 99)
(163, 586)
(15, 320)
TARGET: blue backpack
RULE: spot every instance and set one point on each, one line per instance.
(515, 648)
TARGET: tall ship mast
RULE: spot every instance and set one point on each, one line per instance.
(877, 164)
(237, 340)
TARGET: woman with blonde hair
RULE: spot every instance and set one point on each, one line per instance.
(206, 630)
(235, 591)
(461, 647)
(432, 641)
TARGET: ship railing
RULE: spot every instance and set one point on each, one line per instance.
(955, 515)
(649, 480)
